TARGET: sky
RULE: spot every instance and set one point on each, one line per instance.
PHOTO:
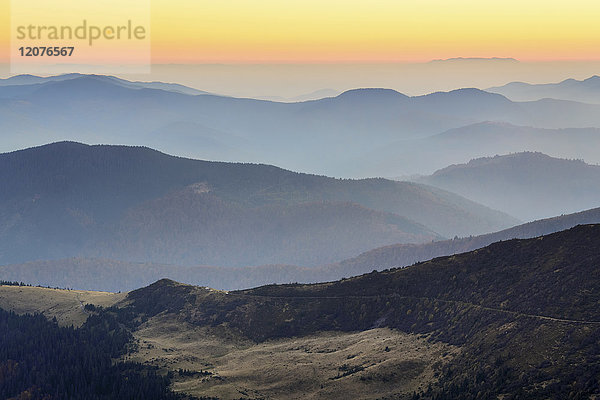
(373, 31)
(331, 31)
(346, 32)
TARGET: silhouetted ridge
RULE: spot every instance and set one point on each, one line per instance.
(372, 93)
(592, 79)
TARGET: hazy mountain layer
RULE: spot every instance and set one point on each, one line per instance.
(105, 274)
(330, 135)
(526, 185)
(26, 84)
(137, 204)
(403, 255)
(586, 91)
(487, 139)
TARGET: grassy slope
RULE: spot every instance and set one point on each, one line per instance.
(288, 368)
(65, 305)
(524, 312)
(291, 368)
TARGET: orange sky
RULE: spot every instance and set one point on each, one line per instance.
(330, 31)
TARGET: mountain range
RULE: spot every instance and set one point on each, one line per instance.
(326, 136)
(485, 139)
(244, 280)
(585, 91)
(491, 304)
(26, 84)
(136, 204)
(133, 215)
(111, 275)
(514, 319)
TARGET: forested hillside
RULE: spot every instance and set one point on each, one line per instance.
(41, 361)
(68, 199)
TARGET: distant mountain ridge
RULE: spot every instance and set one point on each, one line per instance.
(484, 139)
(328, 135)
(528, 185)
(476, 59)
(24, 80)
(586, 90)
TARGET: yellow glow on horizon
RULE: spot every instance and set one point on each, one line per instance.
(304, 31)
(379, 30)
